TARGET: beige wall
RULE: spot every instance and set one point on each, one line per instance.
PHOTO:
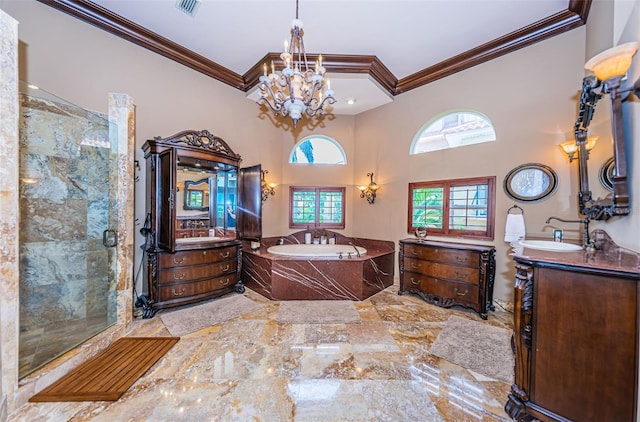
(530, 96)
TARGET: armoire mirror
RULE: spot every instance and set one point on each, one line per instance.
(206, 195)
(196, 195)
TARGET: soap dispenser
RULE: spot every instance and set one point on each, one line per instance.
(307, 237)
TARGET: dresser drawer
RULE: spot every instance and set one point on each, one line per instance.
(451, 272)
(458, 292)
(179, 290)
(453, 256)
(196, 257)
(178, 274)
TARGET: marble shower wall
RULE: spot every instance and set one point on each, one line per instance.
(66, 168)
(8, 211)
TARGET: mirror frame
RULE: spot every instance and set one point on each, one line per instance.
(618, 204)
(187, 205)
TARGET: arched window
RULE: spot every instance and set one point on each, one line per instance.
(452, 130)
(317, 149)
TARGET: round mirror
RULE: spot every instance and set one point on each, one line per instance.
(531, 182)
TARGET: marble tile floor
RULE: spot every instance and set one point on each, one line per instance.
(252, 368)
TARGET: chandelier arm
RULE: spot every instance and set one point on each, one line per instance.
(275, 105)
(277, 109)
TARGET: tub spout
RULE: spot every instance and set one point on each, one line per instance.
(356, 248)
(586, 242)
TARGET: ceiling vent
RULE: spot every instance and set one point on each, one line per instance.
(190, 7)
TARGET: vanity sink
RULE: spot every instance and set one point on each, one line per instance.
(549, 245)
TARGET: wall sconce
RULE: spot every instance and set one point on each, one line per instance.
(369, 191)
(571, 147)
(266, 188)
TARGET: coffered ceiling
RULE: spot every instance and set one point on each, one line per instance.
(373, 49)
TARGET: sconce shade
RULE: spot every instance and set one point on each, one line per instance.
(571, 147)
(612, 62)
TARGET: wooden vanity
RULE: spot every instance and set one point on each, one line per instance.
(576, 334)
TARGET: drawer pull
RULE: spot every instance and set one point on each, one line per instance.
(175, 260)
(460, 274)
(225, 255)
(204, 252)
(461, 294)
(225, 268)
(225, 282)
(179, 277)
(178, 293)
(414, 281)
(415, 267)
(462, 259)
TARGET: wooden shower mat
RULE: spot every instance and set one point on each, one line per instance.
(108, 375)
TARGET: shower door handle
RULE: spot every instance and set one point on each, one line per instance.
(109, 238)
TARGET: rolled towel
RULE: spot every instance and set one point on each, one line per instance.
(514, 228)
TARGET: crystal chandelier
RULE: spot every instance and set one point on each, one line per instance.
(298, 88)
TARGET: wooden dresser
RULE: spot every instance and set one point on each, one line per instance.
(447, 273)
(576, 334)
(194, 275)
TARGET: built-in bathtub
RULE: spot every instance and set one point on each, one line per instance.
(297, 271)
(318, 251)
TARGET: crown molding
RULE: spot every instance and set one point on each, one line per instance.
(333, 63)
(546, 28)
(87, 11)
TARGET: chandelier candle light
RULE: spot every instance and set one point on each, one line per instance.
(298, 88)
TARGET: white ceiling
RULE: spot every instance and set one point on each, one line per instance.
(405, 35)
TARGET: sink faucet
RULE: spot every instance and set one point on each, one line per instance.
(586, 242)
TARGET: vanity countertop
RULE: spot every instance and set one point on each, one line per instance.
(609, 256)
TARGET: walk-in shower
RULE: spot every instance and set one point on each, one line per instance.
(68, 178)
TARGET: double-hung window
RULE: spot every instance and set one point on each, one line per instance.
(457, 207)
(316, 207)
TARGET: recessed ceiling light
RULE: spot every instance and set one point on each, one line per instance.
(351, 101)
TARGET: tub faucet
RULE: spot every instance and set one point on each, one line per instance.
(586, 242)
(356, 248)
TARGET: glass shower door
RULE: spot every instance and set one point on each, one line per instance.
(68, 179)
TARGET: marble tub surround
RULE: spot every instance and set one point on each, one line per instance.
(280, 277)
(254, 368)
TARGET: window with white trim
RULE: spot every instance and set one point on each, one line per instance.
(317, 149)
(452, 130)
